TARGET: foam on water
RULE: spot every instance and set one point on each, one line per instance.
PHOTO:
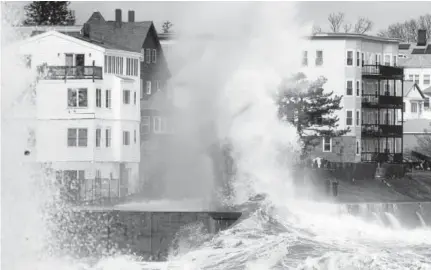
(282, 232)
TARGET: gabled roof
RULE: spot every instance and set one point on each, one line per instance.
(60, 35)
(129, 35)
(411, 85)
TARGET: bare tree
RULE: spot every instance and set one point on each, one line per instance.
(335, 21)
(167, 25)
(408, 30)
(363, 25)
(347, 27)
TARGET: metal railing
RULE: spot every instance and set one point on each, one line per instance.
(70, 72)
(382, 130)
(383, 71)
(92, 191)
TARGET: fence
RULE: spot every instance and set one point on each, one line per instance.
(92, 191)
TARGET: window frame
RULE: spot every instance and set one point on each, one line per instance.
(148, 55)
(347, 87)
(99, 97)
(145, 122)
(148, 87)
(77, 137)
(108, 99)
(324, 144)
(98, 137)
(304, 62)
(316, 61)
(351, 118)
(350, 64)
(77, 92)
(358, 58)
(126, 97)
(126, 138)
(108, 137)
(429, 79)
(154, 56)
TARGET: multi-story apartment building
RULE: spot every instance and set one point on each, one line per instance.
(87, 111)
(363, 69)
(416, 60)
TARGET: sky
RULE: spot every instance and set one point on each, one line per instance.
(382, 13)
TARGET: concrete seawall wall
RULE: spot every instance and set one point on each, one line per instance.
(409, 214)
(91, 233)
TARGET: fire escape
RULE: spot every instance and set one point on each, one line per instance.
(382, 113)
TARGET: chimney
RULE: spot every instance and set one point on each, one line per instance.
(118, 19)
(422, 37)
(131, 16)
(86, 30)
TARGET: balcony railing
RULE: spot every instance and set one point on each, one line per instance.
(373, 101)
(375, 130)
(381, 157)
(70, 72)
(382, 71)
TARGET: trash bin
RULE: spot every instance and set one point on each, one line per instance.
(335, 188)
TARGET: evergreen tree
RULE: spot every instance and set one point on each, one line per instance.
(49, 13)
(306, 106)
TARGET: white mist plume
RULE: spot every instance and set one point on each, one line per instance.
(226, 68)
(23, 231)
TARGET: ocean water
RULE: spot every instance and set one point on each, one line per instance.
(284, 231)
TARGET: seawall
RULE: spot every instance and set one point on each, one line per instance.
(97, 232)
(408, 214)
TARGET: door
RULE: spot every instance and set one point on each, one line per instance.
(79, 63)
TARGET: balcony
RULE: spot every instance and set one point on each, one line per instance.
(70, 73)
(375, 130)
(373, 101)
(382, 72)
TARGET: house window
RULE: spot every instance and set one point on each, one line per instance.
(358, 88)
(394, 60)
(160, 124)
(387, 60)
(142, 88)
(154, 56)
(350, 58)
(148, 87)
(305, 58)
(327, 144)
(404, 106)
(358, 119)
(134, 136)
(105, 66)
(427, 103)
(349, 89)
(158, 85)
(148, 56)
(126, 138)
(363, 59)
(98, 98)
(126, 96)
(349, 117)
(134, 97)
(363, 88)
(77, 137)
(414, 106)
(108, 98)
(358, 59)
(145, 125)
(427, 79)
(136, 67)
(98, 137)
(417, 78)
(319, 58)
(128, 66)
(108, 137)
(410, 77)
(77, 98)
